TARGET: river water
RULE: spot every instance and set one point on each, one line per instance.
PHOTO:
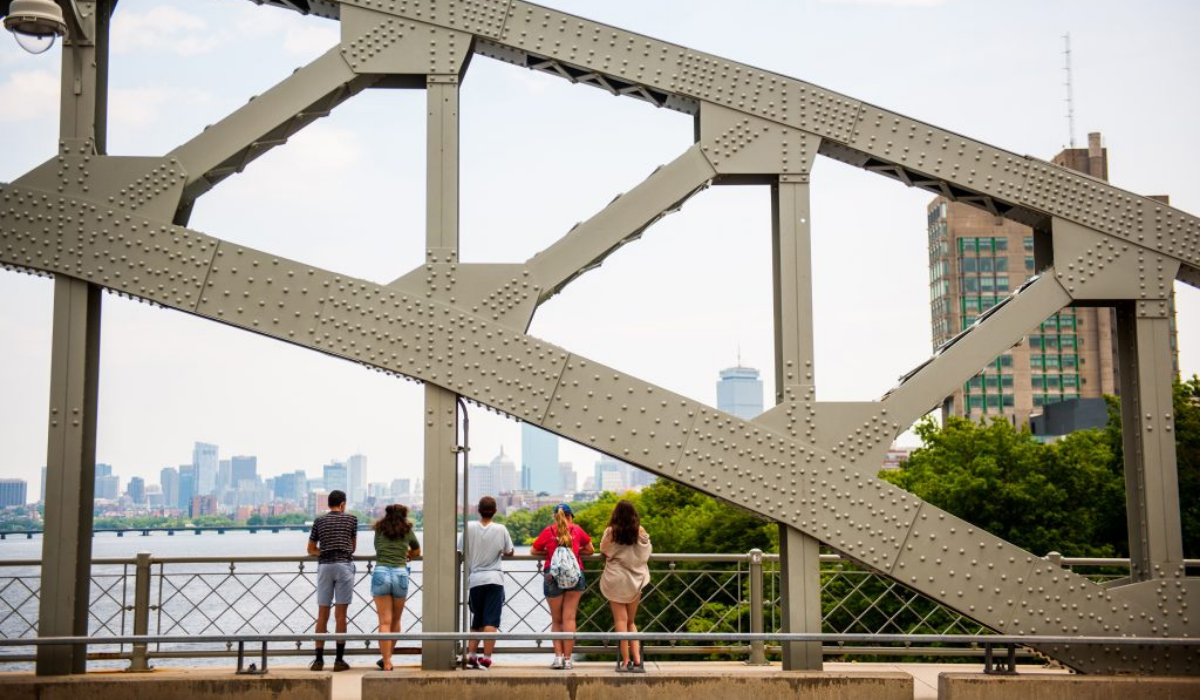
(206, 598)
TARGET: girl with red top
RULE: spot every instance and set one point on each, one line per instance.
(563, 603)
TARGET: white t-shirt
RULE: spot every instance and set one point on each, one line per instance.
(487, 544)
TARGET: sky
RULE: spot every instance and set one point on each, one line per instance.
(691, 297)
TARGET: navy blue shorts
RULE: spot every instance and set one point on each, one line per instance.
(487, 602)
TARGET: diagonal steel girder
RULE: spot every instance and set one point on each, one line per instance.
(754, 467)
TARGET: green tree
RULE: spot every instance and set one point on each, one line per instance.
(1056, 497)
(1186, 406)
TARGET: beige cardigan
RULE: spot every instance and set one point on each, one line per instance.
(626, 567)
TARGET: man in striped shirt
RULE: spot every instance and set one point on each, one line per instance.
(333, 539)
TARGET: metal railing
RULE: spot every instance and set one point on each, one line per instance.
(734, 595)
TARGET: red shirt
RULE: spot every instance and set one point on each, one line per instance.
(548, 541)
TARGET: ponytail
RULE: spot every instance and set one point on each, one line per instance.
(563, 526)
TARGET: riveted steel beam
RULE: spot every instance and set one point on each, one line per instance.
(795, 374)
(74, 369)
(586, 245)
(439, 601)
(747, 464)
(267, 121)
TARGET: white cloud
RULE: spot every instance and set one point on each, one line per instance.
(164, 28)
(890, 3)
(144, 106)
(29, 95)
(311, 39)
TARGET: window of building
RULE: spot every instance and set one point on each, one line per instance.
(1029, 263)
(1006, 381)
(993, 402)
(1051, 342)
(970, 284)
(1007, 400)
(1002, 283)
(1053, 382)
(987, 264)
(1001, 264)
(1038, 400)
(1035, 343)
(1070, 361)
(1037, 361)
(970, 264)
(1000, 244)
(1051, 361)
(1066, 342)
(1006, 360)
(1028, 242)
(1070, 381)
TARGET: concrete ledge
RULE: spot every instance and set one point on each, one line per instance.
(1045, 686)
(168, 685)
(601, 682)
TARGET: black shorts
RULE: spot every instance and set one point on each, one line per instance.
(487, 602)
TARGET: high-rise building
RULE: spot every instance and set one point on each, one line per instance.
(567, 477)
(224, 475)
(401, 489)
(740, 392)
(539, 461)
(108, 488)
(291, 486)
(975, 260)
(611, 475)
(42, 493)
(12, 492)
(204, 459)
(136, 489)
(241, 469)
(336, 477)
(356, 467)
(168, 479)
(103, 469)
(187, 487)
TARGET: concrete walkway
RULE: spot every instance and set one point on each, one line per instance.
(348, 684)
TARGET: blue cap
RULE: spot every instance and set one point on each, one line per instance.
(565, 508)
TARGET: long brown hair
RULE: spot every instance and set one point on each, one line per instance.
(394, 523)
(563, 524)
(624, 523)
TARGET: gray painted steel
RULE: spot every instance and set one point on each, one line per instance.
(809, 465)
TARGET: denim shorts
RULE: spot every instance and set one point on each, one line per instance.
(389, 581)
(335, 583)
(550, 587)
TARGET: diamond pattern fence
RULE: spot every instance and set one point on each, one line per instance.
(277, 595)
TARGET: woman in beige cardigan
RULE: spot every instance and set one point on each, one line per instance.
(626, 550)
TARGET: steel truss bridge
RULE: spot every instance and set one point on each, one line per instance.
(96, 221)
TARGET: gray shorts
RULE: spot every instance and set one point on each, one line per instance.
(335, 583)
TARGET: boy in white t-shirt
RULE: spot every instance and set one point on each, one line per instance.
(487, 543)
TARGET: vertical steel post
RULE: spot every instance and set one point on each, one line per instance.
(1148, 426)
(141, 611)
(799, 554)
(74, 372)
(758, 656)
(441, 420)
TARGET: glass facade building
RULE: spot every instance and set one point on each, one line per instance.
(976, 259)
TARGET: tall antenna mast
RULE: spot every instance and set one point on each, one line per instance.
(1070, 90)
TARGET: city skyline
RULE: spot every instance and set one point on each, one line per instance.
(167, 378)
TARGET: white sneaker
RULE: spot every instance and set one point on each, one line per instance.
(557, 663)
(568, 664)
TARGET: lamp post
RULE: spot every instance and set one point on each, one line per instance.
(35, 24)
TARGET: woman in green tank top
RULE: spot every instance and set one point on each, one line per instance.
(395, 545)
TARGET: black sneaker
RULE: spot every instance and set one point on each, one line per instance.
(637, 668)
(340, 665)
(379, 663)
(621, 666)
(317, 665)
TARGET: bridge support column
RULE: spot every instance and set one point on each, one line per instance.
(800, 579)
(1148, 423)
(439, 590)
(74, 375)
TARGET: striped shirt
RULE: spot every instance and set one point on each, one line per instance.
(335, 533)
